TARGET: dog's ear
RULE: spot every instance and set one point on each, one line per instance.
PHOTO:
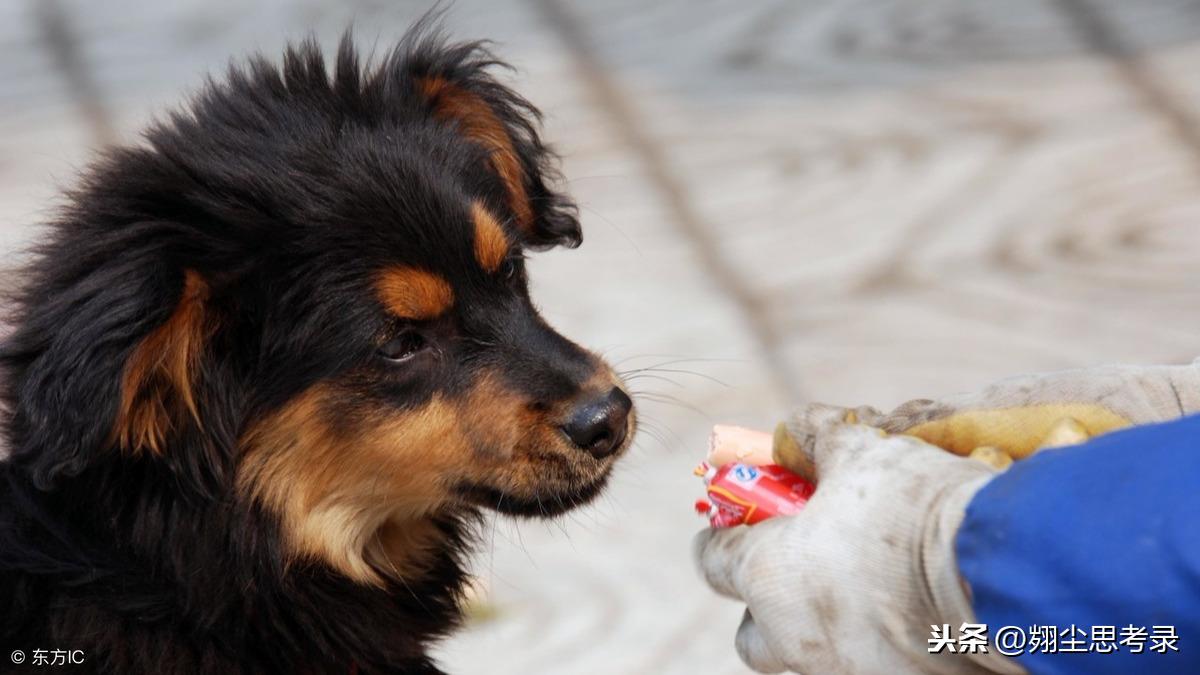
(457, 90)
(158, 381)
(106, 362)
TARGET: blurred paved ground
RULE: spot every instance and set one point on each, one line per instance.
(855, 201)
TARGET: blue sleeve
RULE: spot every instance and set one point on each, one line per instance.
(1101, 534)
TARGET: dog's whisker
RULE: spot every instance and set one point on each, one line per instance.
(664, 436)
(576, 179)
(658, 439)
(652, 376)
(587, 209)
(669, 433)
(680, 371)
(520, 542)
(674, 359)
(652, 429)
(668, 399)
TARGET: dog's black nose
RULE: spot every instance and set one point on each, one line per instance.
(597, 425)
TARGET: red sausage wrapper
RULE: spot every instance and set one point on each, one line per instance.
(743, 494)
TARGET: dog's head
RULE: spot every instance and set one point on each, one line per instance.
(310, 289)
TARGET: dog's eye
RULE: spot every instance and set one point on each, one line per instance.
(511, 268)
(402, 347)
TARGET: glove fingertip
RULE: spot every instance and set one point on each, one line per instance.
(720, 555)
(753, 649)
(795, 441)
(786, 452)
(841, 442)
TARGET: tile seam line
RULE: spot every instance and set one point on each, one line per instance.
(752, 308)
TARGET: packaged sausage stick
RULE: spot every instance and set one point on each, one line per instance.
(741, 494)
(744, 486)
(728, 443)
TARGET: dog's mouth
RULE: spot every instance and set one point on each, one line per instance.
(553, 484)
(542, 503)
(547, 477)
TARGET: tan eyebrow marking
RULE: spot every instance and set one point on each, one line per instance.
(491, 246)
(413, 293)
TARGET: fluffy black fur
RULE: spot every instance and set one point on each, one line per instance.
(274, 186)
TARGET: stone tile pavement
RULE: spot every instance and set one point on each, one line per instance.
(856, 201)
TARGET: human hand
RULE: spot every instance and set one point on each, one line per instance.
(853, 582)
(1018, 415)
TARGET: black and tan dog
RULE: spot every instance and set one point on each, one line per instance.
(268, 366)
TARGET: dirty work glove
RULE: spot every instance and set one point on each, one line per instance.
(1021, 414)
(853, 582)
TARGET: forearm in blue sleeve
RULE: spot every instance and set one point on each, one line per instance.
(1101, 534)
